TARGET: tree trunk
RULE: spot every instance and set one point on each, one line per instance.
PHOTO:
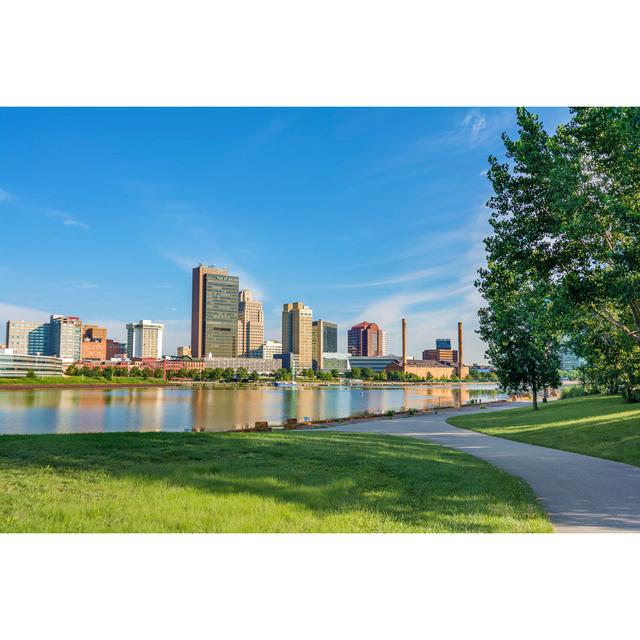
(534, 392)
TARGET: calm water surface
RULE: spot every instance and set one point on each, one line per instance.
(168, 409)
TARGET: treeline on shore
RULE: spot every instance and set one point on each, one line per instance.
(120, 375)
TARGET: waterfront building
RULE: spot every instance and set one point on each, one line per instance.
(94, 343)
(65, 337)
(250, 323)
(267, 350)
(333, 361)
(427, 369)
(366, 339)
(184, 352)
(443, 343)
(28, 338)
(214, 313)
(324, 338)
(16, 365)
(441, 355)
(289, 361)
(375, 363)
(297, 321)
(144, 339)
(260, 365)
(116, 349)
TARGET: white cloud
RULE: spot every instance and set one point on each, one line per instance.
(16, 312)
(5, 196)
(473, 124)
(67, 219)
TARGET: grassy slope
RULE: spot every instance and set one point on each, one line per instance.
(216, 482)
(601, 426)
(79, 380)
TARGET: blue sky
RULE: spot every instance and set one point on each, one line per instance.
(363, 214)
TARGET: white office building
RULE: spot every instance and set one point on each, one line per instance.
(267, 350)
(144, 339)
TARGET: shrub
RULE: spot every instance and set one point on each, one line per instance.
(577, 391)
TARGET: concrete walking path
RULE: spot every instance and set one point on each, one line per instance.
(580, 493)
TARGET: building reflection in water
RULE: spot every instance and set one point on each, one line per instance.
(171, 409)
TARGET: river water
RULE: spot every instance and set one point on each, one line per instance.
(59, 410)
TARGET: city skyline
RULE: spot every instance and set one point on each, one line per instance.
(211, 186)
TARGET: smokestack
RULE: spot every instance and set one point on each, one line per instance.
(460, 353)
(404, 342)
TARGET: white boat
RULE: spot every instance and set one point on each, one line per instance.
(282, 384)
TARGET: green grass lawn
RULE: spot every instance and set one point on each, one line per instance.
(601, 426)
(79, 380)
(272, 482)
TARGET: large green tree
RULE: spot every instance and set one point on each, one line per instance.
(566, 219)
(518, 328)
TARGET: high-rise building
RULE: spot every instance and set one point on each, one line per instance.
(65, 339)
(214, 313)
(183, 352)
(366, 339)
(94, 342)
(28, 338)
(250, 323)
(115, 349)
(443, 343)
(297, 321)
(267, 350)
(144, 339)
(324, 338)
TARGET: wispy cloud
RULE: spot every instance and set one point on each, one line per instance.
(66, 219)
(474, 128)
(5, 196)
(473, 124)
(76, 285)
(412, 276)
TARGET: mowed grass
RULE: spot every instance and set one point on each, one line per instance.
(600, 426)
(273, 482)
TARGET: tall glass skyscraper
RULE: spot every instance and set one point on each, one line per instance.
(214, 313)
(324, 340)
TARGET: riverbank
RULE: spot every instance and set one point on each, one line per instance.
(76, 382)
(600, 426)
(267, 483)
(363, 416)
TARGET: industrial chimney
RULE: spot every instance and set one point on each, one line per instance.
(404, 343)
(460, 353)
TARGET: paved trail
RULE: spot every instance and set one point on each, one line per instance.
(580, 493)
